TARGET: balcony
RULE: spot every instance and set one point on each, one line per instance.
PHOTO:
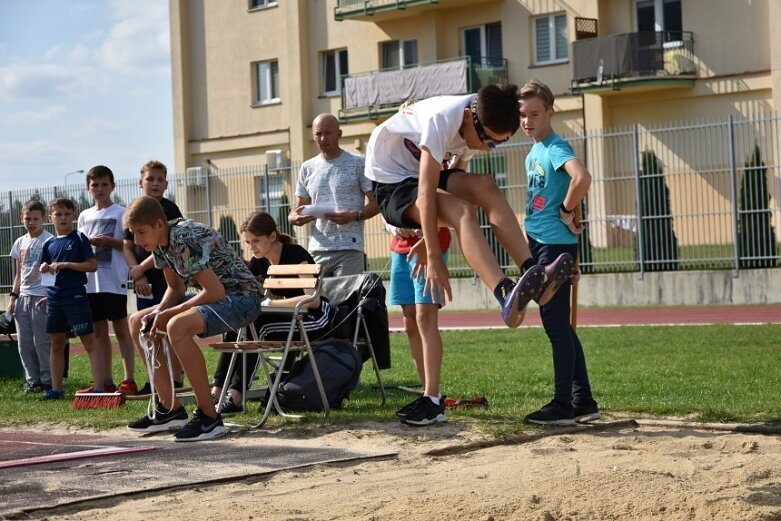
(363, 8)
(376, 94)
(637, 60)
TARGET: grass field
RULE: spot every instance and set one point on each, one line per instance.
(704, 373)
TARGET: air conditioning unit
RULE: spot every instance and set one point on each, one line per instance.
(276, 159)
(197, 176)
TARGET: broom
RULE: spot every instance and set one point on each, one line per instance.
(573, 318)
(97, 400)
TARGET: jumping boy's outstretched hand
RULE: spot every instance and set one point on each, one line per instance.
(437, 280)
(418, 253)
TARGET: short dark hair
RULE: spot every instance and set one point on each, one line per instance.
(497, 107)
(99, 171)
(62, 202)
(34, 205)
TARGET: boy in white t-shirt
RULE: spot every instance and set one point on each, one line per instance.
(107, 287)
(417, 160)
(27, 301)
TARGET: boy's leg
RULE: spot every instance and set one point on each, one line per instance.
(25, 337)
(181, 330)
(41, 340)
(427, 316)
(102, 353)
(414, 339)
(481, 190)
(122, 331)
(57, 359)
(97, 361)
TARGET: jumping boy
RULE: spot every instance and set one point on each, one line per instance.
(417, 159)
(69, 257)
(190, 254)
(149, 281)
(26, 293)
(107, 287)
(558, 182)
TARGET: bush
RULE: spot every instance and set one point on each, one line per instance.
(757, 238)
(660, 245)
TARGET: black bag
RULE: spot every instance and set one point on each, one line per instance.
(340, 369)
(7, 326)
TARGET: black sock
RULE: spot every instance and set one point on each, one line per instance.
(503, 289)
(528, 263)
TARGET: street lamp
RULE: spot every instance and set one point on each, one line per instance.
(71, 173)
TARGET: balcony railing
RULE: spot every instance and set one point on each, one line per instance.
(374, 94)
(352, 8)
(624, 58)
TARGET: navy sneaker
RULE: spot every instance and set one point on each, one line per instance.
(556, 274)
(52, 394)
(527, 287)
(163, 421)
(552, 414)
(201, 427)
(425, 412)
(228, 407)
(586, 413)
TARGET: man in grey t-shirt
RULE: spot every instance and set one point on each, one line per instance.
(333, 191)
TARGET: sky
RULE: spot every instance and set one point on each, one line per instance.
(83, 83)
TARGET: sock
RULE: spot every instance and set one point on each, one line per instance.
(503, 289)
(177, 385)
(528, 263)
(434, 399)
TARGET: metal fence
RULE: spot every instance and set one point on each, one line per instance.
(699, 195)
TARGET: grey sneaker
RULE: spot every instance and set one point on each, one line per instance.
(586, 413)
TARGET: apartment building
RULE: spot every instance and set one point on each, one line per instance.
(250, 75)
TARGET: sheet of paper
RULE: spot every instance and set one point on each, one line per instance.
(47, 279)
(317, 211)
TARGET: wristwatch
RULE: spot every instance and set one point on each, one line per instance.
(13, 294)
(564, 209)
(359, 216)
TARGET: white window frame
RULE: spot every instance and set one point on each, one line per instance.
(265, 77)
(261, 4)
(484, 51)
(551, 18)
(338, 72)
(402, 61)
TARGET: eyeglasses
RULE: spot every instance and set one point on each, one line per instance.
(491, 142)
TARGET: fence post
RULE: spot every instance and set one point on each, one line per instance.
(209, 195)
(733, 186)
(638, 202)
(267, 195)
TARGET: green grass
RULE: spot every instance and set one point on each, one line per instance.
(703, 373)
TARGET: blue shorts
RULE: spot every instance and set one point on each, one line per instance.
(230, 314)
(73, 314)
(404, 290)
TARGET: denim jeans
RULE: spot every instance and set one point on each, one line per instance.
(570, 377)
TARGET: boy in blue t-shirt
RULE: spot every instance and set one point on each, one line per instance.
(557, 182)
(68, 256)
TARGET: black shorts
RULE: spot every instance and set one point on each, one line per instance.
(394, 199)
(107, 306)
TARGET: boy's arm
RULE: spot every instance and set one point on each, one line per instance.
(16, 287)
(437, 279)
(129, 253)
(296, 218)
(85, 266)
(107, 240)
(580, 180)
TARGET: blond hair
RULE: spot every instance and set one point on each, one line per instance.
(144, 210)
(536, 88)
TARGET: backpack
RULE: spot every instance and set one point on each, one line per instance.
(7, 325)
(339, 364)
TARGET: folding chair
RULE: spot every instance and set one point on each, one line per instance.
(288, 276)
(358, 295)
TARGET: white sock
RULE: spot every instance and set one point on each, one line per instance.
(434, 399)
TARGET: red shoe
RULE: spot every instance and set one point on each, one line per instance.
(128, 388)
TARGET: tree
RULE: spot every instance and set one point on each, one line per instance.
(757, 239)
(230, 232)
(660, 245)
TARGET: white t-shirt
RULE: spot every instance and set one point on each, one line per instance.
(27, 251)
(393, 152)
(111, 276)
(338, 184)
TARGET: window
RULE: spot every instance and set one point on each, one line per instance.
(660, 15)
(398, 54)
(484, 44)
(266, 82)
(259, 4)
(550, 39)
(334, 67)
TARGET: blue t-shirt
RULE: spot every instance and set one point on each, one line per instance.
(548, 185)
(74, 247)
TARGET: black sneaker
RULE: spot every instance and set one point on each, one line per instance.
(35, 388)
(528, 286)
(201, 427)
(164, 421)
(228, 407)
(586, 413)
(552, 414)
(425, 412)
(401, 413)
